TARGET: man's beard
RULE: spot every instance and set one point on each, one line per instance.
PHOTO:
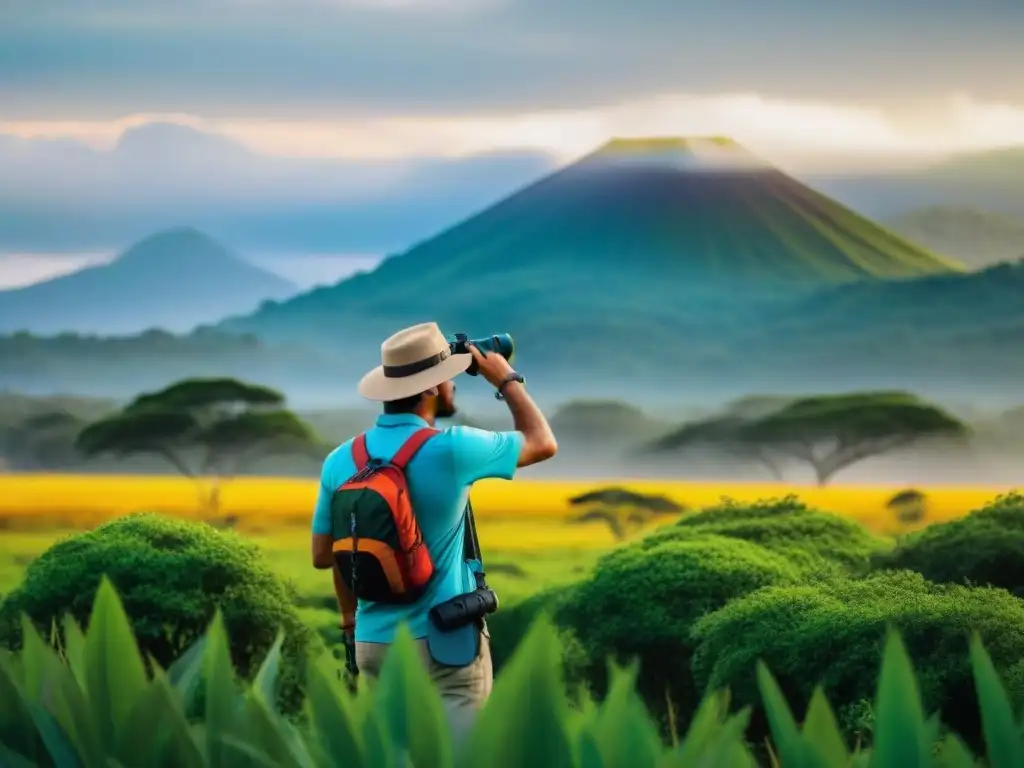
(445, 410)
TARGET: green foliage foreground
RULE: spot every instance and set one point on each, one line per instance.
(91, 703)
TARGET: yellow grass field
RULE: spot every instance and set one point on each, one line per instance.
(34, 501)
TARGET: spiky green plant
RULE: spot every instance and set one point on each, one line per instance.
(94, 705)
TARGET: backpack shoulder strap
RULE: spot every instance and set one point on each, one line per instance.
(404, 455)
(359, 453)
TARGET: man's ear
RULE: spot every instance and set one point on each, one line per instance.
(432, 392)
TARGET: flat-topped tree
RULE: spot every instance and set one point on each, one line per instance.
(833, 432)
(829, 432)
(208, 429)
(718, 434)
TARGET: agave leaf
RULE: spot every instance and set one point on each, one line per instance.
(221, 693)
(297, 746)
(236, 752)
(791, 747)
(115, 674)
(55, 740)
(728, 747)
(587, 749)
(408, 705)
(263, 732)
(955, 753)
(379, 750)
(335, 719)
(900, 738)
(186, 671)
(157, 733)
(523, 722)
(623, 729)
(11, 759)
(17, 730)
(265, 683)
(74, 649)
(1002, 739)
(51, 687)
(821, 732)
(35, 659)
(705, 726)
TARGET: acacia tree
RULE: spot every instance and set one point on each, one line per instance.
(208, 429)
(720, 434)
(829, 432)
(621, 509)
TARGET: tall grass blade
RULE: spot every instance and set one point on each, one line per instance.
(17, 730)
(792, 750)
(408, 706)
(335, 719)
(11, 759)
(265, 683)
(523, 722)
(821, 731)
(1002, 737)
(187, 670)
(955, 754)
(264, 732)
(74, 649)
(900, 738)
(221, 693)
(623, 728)
(157, 733)
(51, 689)
(115, 674)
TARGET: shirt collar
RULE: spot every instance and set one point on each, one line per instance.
(400, 420)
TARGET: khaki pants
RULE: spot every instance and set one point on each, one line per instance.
(463, 689)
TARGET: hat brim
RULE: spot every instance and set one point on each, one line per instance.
(376, 386)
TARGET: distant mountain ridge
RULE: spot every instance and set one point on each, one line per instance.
(976, 238)
(173, 280)
(629, 230)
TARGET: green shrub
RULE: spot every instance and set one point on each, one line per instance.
(99, 709)
(172, 576)
(641, 601)
(829, 634)
(985, 547)
(787, 526)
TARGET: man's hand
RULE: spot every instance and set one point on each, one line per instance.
(538, 441)
(494, 367)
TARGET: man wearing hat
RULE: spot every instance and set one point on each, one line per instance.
(414, 383)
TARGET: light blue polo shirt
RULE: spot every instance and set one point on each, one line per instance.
(439, 477)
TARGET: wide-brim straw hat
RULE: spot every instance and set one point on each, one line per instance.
(412, 361)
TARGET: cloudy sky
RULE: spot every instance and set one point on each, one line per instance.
(356, 127)
(390, 78)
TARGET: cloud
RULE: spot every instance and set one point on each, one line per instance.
(59, 194)
(795, 134)
(318, 59)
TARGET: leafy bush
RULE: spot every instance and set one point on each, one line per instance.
(829, 634)
(172, 576)
(984, 548)
(100, 709)
(642, 600)
(789, 527)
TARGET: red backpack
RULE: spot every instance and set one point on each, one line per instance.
(378, 547)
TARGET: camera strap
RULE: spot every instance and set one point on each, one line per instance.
(471, 547)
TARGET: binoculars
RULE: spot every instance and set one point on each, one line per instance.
(461, 610)
(499, 343)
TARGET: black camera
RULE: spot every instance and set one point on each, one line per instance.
(464, 609)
